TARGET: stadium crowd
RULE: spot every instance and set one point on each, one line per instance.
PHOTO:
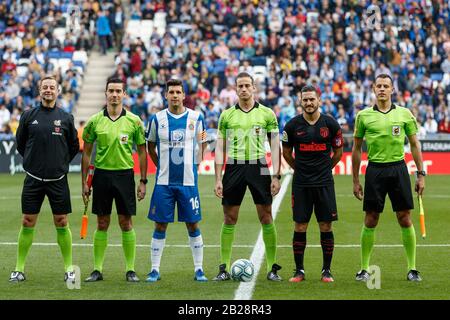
(334, 45)
(39, 37)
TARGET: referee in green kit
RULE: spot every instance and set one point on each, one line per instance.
(243, 130)
(385, 126)
(115, 131)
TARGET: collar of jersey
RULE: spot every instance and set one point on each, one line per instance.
(393, 106)
(123, 113)
(256, 105)
(177, 116)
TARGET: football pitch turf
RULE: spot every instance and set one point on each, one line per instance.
(44, 266)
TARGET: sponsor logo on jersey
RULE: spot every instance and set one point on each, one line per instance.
(35, 122)
(313, 147)
(284, 137)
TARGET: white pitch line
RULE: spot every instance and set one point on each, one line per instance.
(283, 246)
(245, 289)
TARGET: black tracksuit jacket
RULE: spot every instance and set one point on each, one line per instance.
(47, 140)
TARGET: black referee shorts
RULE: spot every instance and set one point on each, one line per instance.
(109, 185)
(387, 178)
(322, 200)
(238, 176)
(34, 192)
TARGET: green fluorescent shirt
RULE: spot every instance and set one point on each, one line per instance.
(385, 132)
(246, 132)
(115, 139)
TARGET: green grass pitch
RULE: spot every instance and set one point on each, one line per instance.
(44, 267)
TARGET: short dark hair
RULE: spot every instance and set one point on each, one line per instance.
(47, 77)
(173, 83)
(115, 80)
(244, 75)
(310, 88)
(384, 76)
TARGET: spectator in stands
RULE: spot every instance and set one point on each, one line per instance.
(430, 125)
(103, 31)
(444, 125)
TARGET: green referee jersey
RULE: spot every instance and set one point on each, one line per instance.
(385, 132)
(246, 132)
(114, 139)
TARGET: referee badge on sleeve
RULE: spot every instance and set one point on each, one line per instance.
(395, 130)
(284, 137)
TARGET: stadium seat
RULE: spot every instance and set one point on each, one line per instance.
(80, 56)
(260, 72)
(64, 64)
(59, 34)
(133, 28)
(22, 71)
(66, 55)
(54, 54)
(23, 62)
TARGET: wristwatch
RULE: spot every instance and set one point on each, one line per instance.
(277, 176)
(144, 181)
(421, 173)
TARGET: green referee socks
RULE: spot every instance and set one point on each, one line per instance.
(409, 243)
(226, 243)
(100, 243)
(64, 239)
(367, 241)
(129, 248)
(270, 242)
(23, 246)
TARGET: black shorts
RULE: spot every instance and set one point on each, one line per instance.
(320, 199)
(109, 185)
(238, 176)
(34, 192)
(387, 178)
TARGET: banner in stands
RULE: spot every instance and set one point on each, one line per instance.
(436, 162)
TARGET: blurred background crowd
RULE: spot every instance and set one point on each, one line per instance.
(338, 46)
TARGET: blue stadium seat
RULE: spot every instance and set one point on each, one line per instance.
(66, 55)
(54, 54)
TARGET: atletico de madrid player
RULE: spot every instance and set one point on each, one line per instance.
(312, 136)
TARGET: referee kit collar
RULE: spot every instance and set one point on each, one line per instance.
(256, 105)
(123, 113)
(393, 106)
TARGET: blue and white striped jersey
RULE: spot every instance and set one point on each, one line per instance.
(177, 138)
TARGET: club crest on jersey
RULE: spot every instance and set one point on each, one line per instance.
(191, 126)
(395, 130)
(123, 139)
(324, 132)
(57, 123)
(284, 137)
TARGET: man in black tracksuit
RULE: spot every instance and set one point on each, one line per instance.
(47, 140)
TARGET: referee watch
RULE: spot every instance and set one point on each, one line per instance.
(278, 176)
(144, 181)
(421, 173)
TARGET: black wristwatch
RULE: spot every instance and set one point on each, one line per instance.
(144, 181)
(421, 173)
(278, 176)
